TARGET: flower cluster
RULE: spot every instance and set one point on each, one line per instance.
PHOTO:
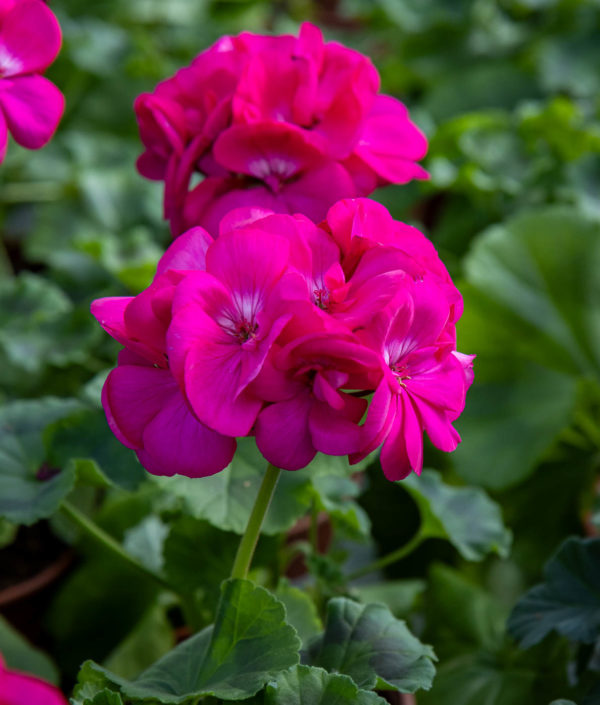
(30, 105)
(287, 124)
(283, 329)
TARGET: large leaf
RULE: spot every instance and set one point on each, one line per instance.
(568, 601)
(29, 489)
(226, 499)
(369, 644)
(304, 685)
(541, 270)
(508, 424)
(465, 516)
(249, 644)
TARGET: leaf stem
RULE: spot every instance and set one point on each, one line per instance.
(392, 557)
(100, 536)
(245, 551)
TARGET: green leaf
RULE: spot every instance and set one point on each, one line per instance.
(301, 611)
(29, 490)
(530, 406)
(38, 326)
(540, 268)
(226, 499)
(150, 639)
(568, 601)
(465, 516)
(562, 702)
(91, 688)
(304, 685)
(22, 656)
(86, 439)
(369, 644)
(248, 645)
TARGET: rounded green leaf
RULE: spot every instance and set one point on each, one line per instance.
(29, 489)
(568, 601)
(304, 685)
(249, 644)
(465, 516)
(367, 643)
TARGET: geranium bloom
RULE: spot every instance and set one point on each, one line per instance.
(30, 105)
(290, 124)
(17, 688)
(337, 338)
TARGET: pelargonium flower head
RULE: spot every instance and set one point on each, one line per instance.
(144, 405)
(30, 105)
(336, 338)
(287, 123)
(18, 688)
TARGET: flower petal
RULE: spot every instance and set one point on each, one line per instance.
(32, 107)
(30, 39)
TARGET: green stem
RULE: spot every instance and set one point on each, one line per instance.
(392, 557)
(99, 535)
(245, 551)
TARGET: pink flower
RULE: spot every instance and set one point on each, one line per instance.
(30, 106)
(424, 383)
(17, 688)
(337, 338)
(143, 403)
(287, 123)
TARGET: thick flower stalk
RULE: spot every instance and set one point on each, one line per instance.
(30, 105)
(17, 688)
(337, 338)
(288, 124)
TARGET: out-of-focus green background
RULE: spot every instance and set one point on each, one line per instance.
(508, 93)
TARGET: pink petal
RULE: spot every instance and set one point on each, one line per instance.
(439, 429)
(390, 143)
(282, 433)
(132, 396)
(214, 372)
(188, 251)
(175, 442)
(270, 151)
(110, 314)
(402, 451)
(315, 190)
(3, 137)
(379, 421)
(30, 39)
(32, 107)
(336, 432)
(24, 689)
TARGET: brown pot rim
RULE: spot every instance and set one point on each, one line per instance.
(37, 582)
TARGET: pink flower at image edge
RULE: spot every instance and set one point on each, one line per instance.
(30, 105)
(18, 688)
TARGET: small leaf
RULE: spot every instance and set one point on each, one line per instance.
(246, 647)
(368, 643)
(465, 516)
(30, 489)
(300, 610)
(399, 595)
(86, 439)
(22, 656)
(304, 685)
(568, 601)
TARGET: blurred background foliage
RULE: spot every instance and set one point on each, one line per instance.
(508, 92)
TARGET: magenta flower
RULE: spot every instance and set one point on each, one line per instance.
(17, 688)
(337, 338)
(30, 106)
(291, 124)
